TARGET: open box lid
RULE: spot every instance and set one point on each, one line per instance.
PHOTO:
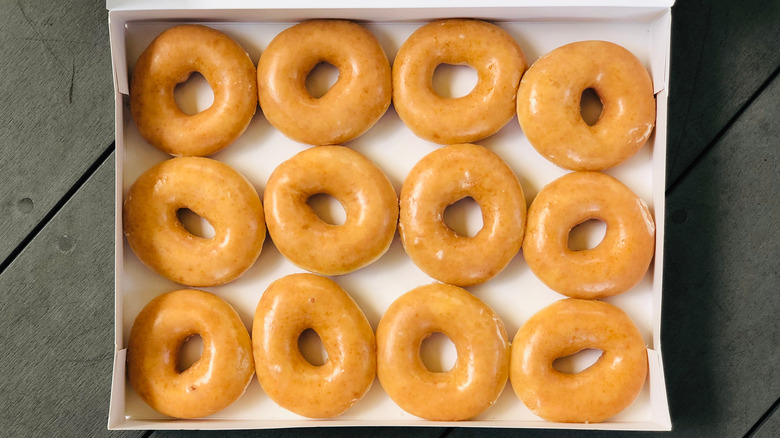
(123, 11)
(127, 5)
(526, 10)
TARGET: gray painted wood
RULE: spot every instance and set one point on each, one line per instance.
(57, 325)
(56, 100)
(722, 275)
(722, 51)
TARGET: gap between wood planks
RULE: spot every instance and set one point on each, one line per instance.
(763, 419)
(56, 208)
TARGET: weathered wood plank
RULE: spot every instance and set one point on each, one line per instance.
(722, 51)
(57, 328)
(722, 274)
(56, 100)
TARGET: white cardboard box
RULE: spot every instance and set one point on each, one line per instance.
(642, 26)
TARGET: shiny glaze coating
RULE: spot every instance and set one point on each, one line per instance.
(444, 177)
(616, 264)
(214, 191)
(288, 307)
(480, 372)
(171, 58)
(594, 394)
(486, 48)
(357, 100)
(217, 379)
(363, 190)
(548, 105)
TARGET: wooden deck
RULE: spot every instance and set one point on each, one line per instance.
(721, 334)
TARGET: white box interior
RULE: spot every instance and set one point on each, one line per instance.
(515, 294)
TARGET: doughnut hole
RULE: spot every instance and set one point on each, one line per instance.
(328, 209)
(590, 106)
(587, 235)
(195, 224)
(193, 95)
(438, 353)
(453, 81)
(464, 217)
(577, 362)
(190, 351)
(311, 348)
(321, 78)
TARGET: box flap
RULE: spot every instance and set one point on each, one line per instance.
(116, 407)
(660, 404)
(130, 5)
(661, 30)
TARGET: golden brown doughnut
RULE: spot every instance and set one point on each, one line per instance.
(362, 188)
(616, 264)
(350, 107)
(291, 305)
(594, 394)
(171, 58)
(214, 191)
(548, 105)
(480, 372)
(217, 379)
(444, 177)
(488, 49)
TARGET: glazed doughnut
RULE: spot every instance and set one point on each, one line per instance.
(616, 264)
(444, 177)
(171, 58)
(363, 190)
(350, 107)
(486, 48)
(480, 372)
(288, 307)
(548, 105)
(217, 379)
(214, 191)
(594, 394)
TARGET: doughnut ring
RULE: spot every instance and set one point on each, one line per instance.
(594, 394)
(291, 305)
(212, 190)
(616, 264)
(488, 49)
(357, 100)
(214, 381)
(548, 105)
(480, 372)
(442, 178)
(362, 188)
(171, 58)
